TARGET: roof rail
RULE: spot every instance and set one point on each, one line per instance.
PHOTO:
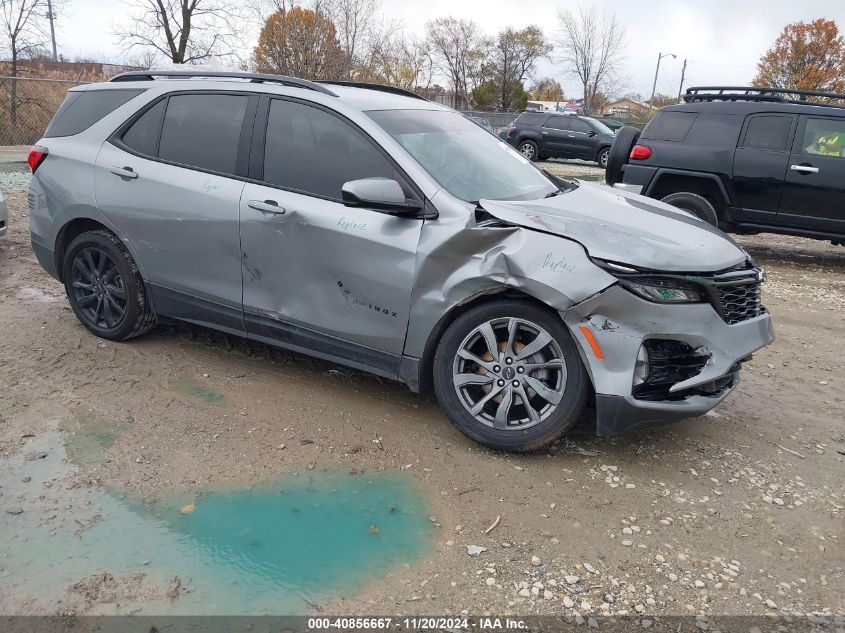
(294, 82)
(380, 87)
(750, 93)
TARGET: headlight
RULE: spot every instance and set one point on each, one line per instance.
(664, 290)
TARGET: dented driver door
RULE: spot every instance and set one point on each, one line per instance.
(319, 275)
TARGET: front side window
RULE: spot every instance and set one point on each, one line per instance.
(309, 150)
(581, 126)
(824, 137)
(468, 162)
(203, 130)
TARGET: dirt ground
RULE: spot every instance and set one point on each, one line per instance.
(738, 512)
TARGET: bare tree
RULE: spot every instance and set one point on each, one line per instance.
(398, 59)
(354, 21)
(25, 27)
(592, 46)
(458, 50)
(183, 31)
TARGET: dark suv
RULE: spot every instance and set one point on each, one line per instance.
(749, 160)
(540, 135)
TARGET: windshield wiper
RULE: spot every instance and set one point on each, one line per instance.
(562, 185)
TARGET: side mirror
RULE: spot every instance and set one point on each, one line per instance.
(378, 193)
(591, 133)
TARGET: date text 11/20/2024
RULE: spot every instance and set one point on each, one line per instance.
(416, 623)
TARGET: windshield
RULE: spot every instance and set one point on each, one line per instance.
(469, 162)
(601, 127)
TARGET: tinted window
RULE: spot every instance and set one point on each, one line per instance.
(669, 126)
(310, 150)
(719, 131)
(558, 123)
(824, 137)
(81, 110)
(144, 133)
(767, 133)
(580, 126)
(203, 131)
(530, 119)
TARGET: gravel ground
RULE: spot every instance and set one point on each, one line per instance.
(738, 512)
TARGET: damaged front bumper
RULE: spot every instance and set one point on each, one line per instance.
(694, 357)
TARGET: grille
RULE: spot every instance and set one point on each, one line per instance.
(736, 295)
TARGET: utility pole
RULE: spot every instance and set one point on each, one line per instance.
(681, 86)
(660, 56)
(51, 17)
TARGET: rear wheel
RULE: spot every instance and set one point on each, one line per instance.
(603, 156)
(529, 150)
(104, 287)
(509, 376)
(695, 204)
(624, 140)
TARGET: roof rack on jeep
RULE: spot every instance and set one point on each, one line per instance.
(295, 82)
(379, 87)
(750, 93)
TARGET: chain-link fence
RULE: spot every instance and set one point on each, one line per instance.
(26, 106)
(497, 120)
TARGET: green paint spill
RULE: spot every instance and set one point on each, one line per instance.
(271, 549)
(196, 390)
(88, 437)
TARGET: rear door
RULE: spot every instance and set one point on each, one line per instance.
(814, 189)
(171, 180)
(318, 274)
(555, 136)
(760, 165)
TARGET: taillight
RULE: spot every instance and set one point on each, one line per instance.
(511, 130)
(640, 152)
(36, 156)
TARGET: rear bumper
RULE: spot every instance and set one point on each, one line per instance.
(620, 322)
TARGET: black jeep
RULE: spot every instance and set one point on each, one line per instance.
(748, 160)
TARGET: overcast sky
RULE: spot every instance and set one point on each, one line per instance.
(722, 39)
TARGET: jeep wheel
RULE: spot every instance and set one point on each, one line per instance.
(509, 376)
(698, 205)
(624, 140)
(603, 156)
(104, 288)
(529, 150)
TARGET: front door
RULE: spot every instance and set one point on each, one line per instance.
(583, 140)
(317, 274)
(814, 191)
(170, 186)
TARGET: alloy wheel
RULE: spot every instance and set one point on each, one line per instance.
(509, 373)
(527, 150)
(603, 158)
(97, 288)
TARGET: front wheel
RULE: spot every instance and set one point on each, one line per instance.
(104, 287)
(509, 376)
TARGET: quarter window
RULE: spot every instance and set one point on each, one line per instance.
(669, 126)
(824, 137)
(309, 150)
(202, 130)
(768, 133)
(143, 135)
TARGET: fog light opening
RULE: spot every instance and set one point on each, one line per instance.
(641, 367)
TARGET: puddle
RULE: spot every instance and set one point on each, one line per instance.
(196, 390)
(88, 436)
(273, 549)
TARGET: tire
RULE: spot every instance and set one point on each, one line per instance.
(460, 382)
(529, 149)
(624, 140)
(104, 287)
(695, 204)
(602, 157)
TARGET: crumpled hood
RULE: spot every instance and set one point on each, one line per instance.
(627, 228)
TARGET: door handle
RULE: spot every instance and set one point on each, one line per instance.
(267, 207)
(804, 169)
(545, 132)
(124, 172)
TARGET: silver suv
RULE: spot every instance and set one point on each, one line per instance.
(370, 227)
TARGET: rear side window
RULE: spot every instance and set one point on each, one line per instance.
(310, 150)
(144, 133)
(203, 130)
(669, 126)
(530, 119)
(558, 123)
(82, 109)
(769, 132)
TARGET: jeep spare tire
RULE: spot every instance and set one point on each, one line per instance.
(624, 140)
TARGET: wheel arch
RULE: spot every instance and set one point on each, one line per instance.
(76, 227)
(709, 186)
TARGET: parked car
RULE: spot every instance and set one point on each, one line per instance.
(4, 218)
(749, 160)
(551, 135)
(613, 124)
(368, 226)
